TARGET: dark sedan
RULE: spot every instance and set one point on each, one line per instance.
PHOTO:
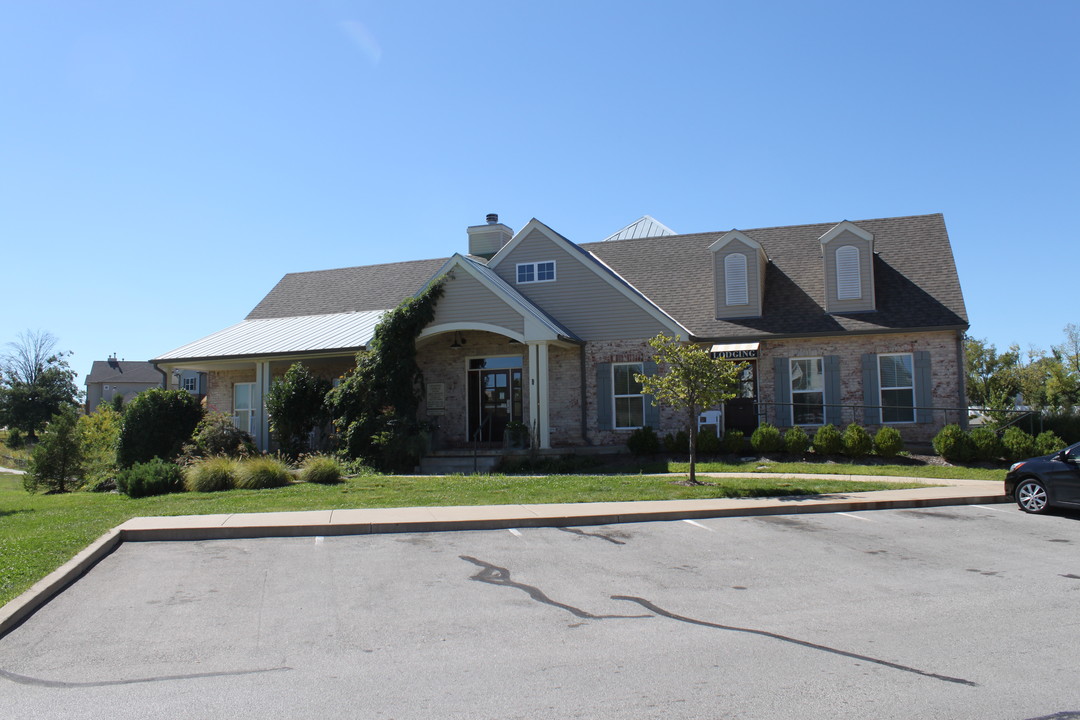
(1048, 481)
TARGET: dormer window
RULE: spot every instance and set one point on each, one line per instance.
(536, 272)
(848, 274)
(735, 279)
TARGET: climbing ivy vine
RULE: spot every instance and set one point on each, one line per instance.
(375, 406)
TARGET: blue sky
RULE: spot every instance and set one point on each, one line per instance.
(163, 164)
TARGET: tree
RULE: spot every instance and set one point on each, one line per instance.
(688, 379)
(157, 423)
(296, 403)
(56, 462)
(36, 382)
(375, 406)
(992, 380)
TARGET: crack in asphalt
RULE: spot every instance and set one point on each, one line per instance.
(39, 682)
(500, 576)
(582, 533)
(776, 636)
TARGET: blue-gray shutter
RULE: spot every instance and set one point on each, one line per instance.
(833, 411)
(924, 388)
(604, 394)
(871, 394)
(652, 412)
(782, 391)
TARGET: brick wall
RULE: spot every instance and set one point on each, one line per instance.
(219, 392)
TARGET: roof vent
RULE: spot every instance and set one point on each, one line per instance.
(486, 240)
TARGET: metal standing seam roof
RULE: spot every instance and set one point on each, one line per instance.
(271, 336)
(645, 226)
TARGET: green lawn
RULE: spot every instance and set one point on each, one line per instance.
(38, 533)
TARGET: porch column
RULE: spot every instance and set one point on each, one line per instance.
(538, 381)
(262, 421)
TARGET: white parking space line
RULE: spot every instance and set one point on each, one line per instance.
(515, 532)
(697, 524)
(854, 516)
(987, 507)
(318, 539)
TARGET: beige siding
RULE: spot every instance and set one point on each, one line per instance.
(866, 270)
(580, 299)
(755, 272)
(467, 300)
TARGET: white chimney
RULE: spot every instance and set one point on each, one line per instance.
(486, 240)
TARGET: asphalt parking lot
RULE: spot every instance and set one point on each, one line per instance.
(959, 612)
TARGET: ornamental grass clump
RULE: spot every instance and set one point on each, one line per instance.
(321, 469)
(262, 472)
(212, 474)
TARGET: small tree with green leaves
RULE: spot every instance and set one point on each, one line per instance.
(157, 423)
(56, 461)
(689, 380)
(296, 404)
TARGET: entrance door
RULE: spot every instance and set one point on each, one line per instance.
(495, 397)
(740, 413)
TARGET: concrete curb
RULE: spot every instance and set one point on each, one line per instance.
(444, 519)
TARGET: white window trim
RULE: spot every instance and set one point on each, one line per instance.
(615, 397)
(193, 381)
(791, 388)
(738, 292)
(535, 272)
(252, 410)
(882, 389)
(848, 273)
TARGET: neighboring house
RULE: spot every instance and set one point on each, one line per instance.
(112, 377)
(852, 321)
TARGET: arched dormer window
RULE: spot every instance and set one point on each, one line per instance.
(848, 273)
(735, 279)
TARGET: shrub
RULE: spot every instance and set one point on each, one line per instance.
(766, 439)
(953, 444)
(733, 442)
(828, 440)
(1047, 443)
(100, 435)
(708, 443)
(157, 423)
(15, 439)
(1018, 444)
(888, 442)
(56, 461)
(643, 441)
(212, 474)
(985, 444)
(321, 469)
(796, 441)
(295, 404)
(857, 442)
(677, 443)
(217, 434)
(356, 466)
(1063, 423)
(157, 477)
(258, 473)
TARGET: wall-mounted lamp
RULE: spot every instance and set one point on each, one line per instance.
(458, 342)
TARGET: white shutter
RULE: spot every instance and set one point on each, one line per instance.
(848, 275)
(735, 279)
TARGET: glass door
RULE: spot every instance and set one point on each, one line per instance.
(495, 397)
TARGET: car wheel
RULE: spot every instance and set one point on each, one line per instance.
(1031, 496)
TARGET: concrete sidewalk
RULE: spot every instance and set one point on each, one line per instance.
(488, 517)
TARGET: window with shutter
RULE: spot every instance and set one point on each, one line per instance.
(848, 275)
(735, 279)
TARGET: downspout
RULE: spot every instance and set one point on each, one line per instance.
(164, 377)
(961, 378)
(584, 400)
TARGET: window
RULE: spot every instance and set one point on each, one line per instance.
(191, 384)
(897, 379)
(808, 391)
(629, 402)
(536, 272)
(244, 407)
(735, 279)
(848, 275)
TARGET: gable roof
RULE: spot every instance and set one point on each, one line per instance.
(123, 371)
(917, 284)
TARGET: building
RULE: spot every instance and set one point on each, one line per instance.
(112, 377)
(851, 321)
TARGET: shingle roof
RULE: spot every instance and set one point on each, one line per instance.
(352, 289)
(915, 277)
(123, 371)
